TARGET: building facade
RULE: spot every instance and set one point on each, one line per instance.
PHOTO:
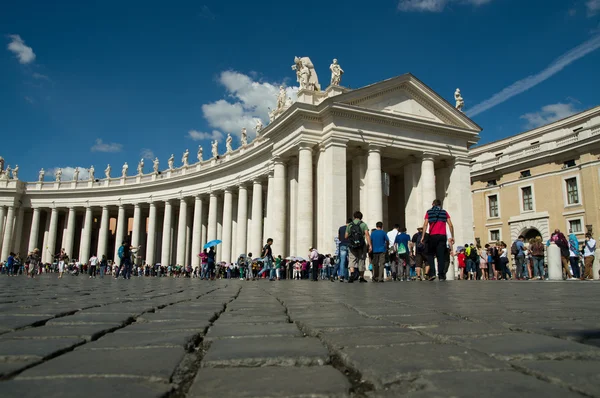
(538, 181)
(387, 149)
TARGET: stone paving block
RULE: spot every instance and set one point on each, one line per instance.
(385, 365)
(84, 387)
(236, 318)
(420, 319)
(87, 332)
(165, 315)
(167, 326)
(158, 363)
(186, 340)
(465, 328)
(270, 382)
(477, 385)
(314, 326)
(370, 337)
(15, 365)
(256, 330)
(12, 322)
(528, 346)
(583, 375)
(83, 318)
(276, 351)
(36, 348)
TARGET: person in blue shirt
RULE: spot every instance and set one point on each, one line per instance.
(574, 254)
(380, 243)
(401, 247)
(10, 263)
(522, 271)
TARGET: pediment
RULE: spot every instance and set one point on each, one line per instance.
(406, 96)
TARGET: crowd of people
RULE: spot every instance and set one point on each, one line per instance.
(389, 256)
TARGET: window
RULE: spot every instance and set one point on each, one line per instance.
(495, 235)
(492, 183)
(534, 143)
(527, 196)
(493, 206)
(577, 129)
(569, 163)
(499, 154)
(525, 173)
(572, 191)
(575, 226)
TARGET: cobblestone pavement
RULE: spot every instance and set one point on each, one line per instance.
(188, 338)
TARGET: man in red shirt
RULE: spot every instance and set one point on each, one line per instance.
(437, 218)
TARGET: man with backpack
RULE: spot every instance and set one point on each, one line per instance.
(124, 254)
(517, 249)
(267, 256)
(436, 219)
(359, 243)
(418, 251)
(402, 250)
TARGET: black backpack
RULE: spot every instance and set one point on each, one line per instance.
(356, 237)
(514, 250)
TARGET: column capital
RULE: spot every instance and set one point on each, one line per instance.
(277, 160)
(461, 161)
(228, 190)
(336, 142)
(136, 205)
(198, 197)
(428, 156)
(305, 146)
(375, 147)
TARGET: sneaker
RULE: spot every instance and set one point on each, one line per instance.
(432, 279)
(350, 280)
(362, 280)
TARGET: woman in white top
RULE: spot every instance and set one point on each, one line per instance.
(504, 261)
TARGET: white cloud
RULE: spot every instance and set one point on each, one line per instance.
(100, 146)
(198, 136)
(23, 52)
(29, 99)
(251, 101)
(39, 76)
(205, 12)
(146, 153)
(593, 6)
(67, 173)
(434, 5)
(531, 81)
(548, 114)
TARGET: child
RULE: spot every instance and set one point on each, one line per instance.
(462, 258)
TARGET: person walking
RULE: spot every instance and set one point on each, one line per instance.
(418, 251)
(313, 257)
(506, 274)
(589, 250)
(574, 254)
(436, 219)
(34, 262)
(518, 250)
(62, 260)
(124, 254)
(401, 248)
(210, 268)
(93, 264)
(204, 264)
(357, 233)
(560, 240)
(103, 264)
(380, 244)
(267, 256)
(537, 248)
(343, 252)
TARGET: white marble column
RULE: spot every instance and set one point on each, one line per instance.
(151, 245)
(18, 234)
(34, 232)
(2, 218)
(359, 185)
(181, 227)
(412, 196)
(318, 196)
(257, 218)
(70, 237)
(242, 220)
(293, 205)
(304, 238)
(197, 231)
(86, 236)
(213, 204)
(227, 226)
(335, 211)
(459, 202)
(103, 233)
(374, 186)
(278, 221)
(428, 192)
(120, 232)
(136, 230)
(165, 256)
(8, 234)
(50, 249)
(268, 228)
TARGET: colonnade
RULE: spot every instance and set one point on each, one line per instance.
(300, 201)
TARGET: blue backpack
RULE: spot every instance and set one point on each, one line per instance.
(120, 252)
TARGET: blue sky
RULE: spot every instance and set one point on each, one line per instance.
(109, 82)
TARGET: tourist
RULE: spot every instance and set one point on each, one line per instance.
(34, 261)
(537, 252)
(402, 250)
(392, 264)
(93, 263)
(326, 264)
(589, 250)
(297, 270)
(267, 257)
(313, 256)
(124, 254)
(278, 261)
(504, 263)
(518, 250)
(211, 263)
(204, 262)
(380, 244)
(359, 243)
(62, 259)
(343, 252)
(437, 219)
(462, 265)
(10, 262)
(559, 239)
(483, 264)
(418, 251)
(574, 254)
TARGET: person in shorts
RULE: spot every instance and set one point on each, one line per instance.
(62, 260)
(418, 250)
(359, 244)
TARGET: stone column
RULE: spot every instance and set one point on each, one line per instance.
(428, 192)
(304, 239)
(120, 232)
(412, 196)
(165, 256)
(242, 220)
(34, 233)
(374, 186)
(103, 233)
(8, 234)
(257, 218)
(334, 195)
(181, 226)
(151, 245)
(319, 194)
(197, 231)
(227, 225)
(359, 189)
(18, 230)
(50, 249)
(268, 227)
(70, 239)
(554, 263)
(293, 203)
(2, 217)
(279, 218)
(86, 236)
(459, 202)
(213, 205)
(137, 219)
